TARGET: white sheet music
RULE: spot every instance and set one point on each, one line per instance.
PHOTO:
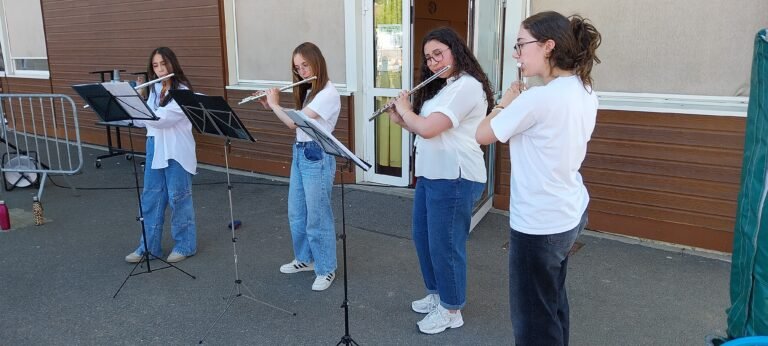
(302, 120)
(129, 99)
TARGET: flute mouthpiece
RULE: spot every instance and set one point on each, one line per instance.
(519, 65)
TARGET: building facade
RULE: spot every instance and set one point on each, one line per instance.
(665, 158)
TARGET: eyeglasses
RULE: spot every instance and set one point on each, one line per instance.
(437, 56)
(304, 66)
(519, 46)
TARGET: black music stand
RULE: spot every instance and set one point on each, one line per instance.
(112, 149)
(211, 115)
(118, 102)
(332, 146)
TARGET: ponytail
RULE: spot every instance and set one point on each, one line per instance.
(587, 40)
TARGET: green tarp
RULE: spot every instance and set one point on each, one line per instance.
(748, 314)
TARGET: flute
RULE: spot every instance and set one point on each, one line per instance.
(520, 76)
(144, 85)
(421, 85)
(251, 98)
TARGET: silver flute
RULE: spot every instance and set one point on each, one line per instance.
(520, 76)
(252, 98)
(144, 85)
(389, 104)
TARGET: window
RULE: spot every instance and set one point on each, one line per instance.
(687, 53)
(262, 35)
(23, 39)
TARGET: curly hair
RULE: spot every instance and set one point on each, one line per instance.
(464, 62)
(576, 41)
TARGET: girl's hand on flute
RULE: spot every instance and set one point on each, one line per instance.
(261, 100)
(402, 104)
(273, 97)
(510, 94)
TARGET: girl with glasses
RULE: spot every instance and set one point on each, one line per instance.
(450, 169)
(310, 215)
(547, 128)
(171, 163)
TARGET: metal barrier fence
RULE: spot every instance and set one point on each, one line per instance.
(41, 137)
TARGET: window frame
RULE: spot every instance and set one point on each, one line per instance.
(9, 61)
(350, 48)
(736, 106)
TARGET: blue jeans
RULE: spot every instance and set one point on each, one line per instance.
(310, 213)
(162, 187)
(442, 213)
(538, 301)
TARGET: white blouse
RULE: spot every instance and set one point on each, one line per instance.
(454, 153)
(172, 133)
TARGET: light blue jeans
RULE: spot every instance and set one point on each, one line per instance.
(162, 187)
(310, 214)
(442, 214)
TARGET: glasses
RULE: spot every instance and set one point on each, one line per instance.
(519, 46)
(437, 56)
(303, 66)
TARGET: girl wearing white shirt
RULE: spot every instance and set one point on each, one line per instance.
(450, 169)
(171, 163)
(548, 128)
(310, 213)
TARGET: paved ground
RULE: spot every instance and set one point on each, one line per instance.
(57, 280)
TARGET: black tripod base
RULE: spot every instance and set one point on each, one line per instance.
(146, 258)
(347, 340)
(234, 294)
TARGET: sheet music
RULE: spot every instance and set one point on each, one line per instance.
(302, 120)
(129, 99)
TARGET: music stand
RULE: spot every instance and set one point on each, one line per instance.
(211, 115)
(118, 102)
(332, 146)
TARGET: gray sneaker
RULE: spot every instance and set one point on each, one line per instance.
(426, 304)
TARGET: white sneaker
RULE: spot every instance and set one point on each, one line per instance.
(439, 320)
(426, 304)
(175, 257)
(295, 266)
(133, 257)
(323, 282)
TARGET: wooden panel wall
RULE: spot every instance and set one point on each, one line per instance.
(15, 85)
(93, 35)
(668, 177)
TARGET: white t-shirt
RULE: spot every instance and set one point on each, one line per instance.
(548, 128)
(454, 153)
(327, 104)
(173, 133)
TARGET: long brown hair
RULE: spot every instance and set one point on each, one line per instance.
(576, 41)
(312, 54)
(178, 74)
(464, 61)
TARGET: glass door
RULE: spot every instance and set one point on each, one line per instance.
(486, 33)
(387, 71)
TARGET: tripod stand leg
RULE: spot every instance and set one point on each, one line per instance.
(251, 297)
(230, 300)
(347, 340)
(144, 258)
